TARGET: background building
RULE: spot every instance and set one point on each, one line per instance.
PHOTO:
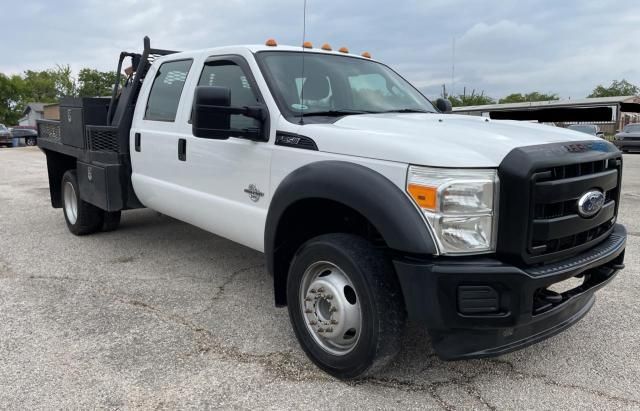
(33, 112)
(610, 113)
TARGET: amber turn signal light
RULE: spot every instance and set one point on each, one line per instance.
(425, 197)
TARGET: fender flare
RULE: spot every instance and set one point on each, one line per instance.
(366, 191)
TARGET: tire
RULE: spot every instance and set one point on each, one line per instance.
(82, 218)
(30, 142)
(332, 279)
(111, 220)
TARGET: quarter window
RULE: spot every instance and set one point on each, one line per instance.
(166, 90)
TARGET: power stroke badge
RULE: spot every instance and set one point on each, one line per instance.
(254, 193)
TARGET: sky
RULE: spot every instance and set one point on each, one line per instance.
(501, 46)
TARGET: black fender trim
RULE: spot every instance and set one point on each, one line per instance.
(368, 192)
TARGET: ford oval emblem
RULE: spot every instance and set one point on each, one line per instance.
(590, 203)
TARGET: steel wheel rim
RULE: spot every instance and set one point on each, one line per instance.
(70, 203)
(330, 308)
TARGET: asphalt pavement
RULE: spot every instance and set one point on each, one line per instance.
(160, 314)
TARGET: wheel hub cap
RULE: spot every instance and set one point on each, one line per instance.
(331, 308)
(70, 203)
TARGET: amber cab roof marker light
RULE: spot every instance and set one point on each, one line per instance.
(366, 54)
(326, 47)
(307, 45)
(343, 50)
(271, 43)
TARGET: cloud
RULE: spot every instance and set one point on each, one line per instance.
(502, 46)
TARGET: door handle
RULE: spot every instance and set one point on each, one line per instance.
(137, 142)
(182, 149)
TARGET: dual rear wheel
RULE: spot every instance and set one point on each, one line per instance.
(84, 218)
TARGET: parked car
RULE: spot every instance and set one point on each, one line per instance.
(5, 136)
(29, 135)
(629, 138)
(591, 129)
(371, 205)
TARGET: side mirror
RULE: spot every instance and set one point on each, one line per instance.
(444, 105)
(212, 113)
(600, 134)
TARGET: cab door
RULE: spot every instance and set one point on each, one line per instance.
(155, 135)
(225, 183)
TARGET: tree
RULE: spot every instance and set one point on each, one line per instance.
(10, 107)
(94, 83)
(48, 86)
(533, 96)
(617, 88)
(472, 99)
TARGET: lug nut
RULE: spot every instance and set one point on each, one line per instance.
(308, 311)
(334, 322)
(320, 330)
(330, 329)
(329, 297)
(312, 291)
(308, 299)
(321, 289)
(313, 322)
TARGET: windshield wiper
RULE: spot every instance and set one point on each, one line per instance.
(405, 110)
(335, 113)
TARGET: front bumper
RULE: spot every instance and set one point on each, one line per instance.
(6, 139)
(627, 144)
(481, 307)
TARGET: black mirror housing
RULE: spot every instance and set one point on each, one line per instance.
(444, 105)
(212, 113)
(208, 120)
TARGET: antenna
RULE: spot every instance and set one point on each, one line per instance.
(304, 38)
(453, 65)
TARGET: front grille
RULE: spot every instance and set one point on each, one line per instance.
(556, 225)
(102, 138)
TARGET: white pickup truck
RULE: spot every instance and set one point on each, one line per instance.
(372, 206)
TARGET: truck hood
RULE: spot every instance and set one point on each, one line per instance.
(442, 140)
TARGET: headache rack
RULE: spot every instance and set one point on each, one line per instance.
(123, 99)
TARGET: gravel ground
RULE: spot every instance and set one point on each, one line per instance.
(160, 314)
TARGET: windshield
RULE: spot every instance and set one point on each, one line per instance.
(337, 85)
(3, 128)
(632, 128)
(584, 129)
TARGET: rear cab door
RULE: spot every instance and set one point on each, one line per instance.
(155, 133)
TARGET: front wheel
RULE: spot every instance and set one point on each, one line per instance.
(345, 305)
(82, 218)
(30, 141)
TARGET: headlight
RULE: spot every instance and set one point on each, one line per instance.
(459, 204)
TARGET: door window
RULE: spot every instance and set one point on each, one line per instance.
(229, 74)
(166, 90)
